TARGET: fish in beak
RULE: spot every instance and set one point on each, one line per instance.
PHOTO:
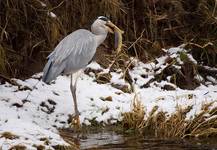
(112, 28)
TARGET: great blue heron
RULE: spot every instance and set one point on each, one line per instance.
(74, 52)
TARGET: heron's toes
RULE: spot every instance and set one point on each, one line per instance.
(75, 122)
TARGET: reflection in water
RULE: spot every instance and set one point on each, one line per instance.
(109, 140)
(95, 140)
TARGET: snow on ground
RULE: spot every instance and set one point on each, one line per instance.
(33, 115)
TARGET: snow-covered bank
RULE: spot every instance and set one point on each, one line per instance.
(34, 110)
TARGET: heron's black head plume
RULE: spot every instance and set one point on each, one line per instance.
(103, 18)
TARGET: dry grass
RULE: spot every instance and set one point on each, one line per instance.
(2, 61)
(39, 147)
(18, 147)
(8, 135)
(135, 118)
(60, 147)
(28, 33)
(177, 125)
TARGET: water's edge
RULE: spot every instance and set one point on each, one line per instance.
(108, 139)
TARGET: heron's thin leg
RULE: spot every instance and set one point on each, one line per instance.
(73, 91)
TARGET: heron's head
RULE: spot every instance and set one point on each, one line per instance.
(102, 25)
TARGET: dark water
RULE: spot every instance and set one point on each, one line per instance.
(108, 140)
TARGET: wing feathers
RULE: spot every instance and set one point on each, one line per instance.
(74, 44)
(74, 52)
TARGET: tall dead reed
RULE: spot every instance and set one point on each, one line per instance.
(28, 32)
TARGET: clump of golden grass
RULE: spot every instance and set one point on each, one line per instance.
(135, 118)
(172, 126)
(8, 135)
(39, 147)
(103, 78)
(18, 147)
(203, 124)
(160, 124)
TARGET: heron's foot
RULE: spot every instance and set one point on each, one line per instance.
(75, 122)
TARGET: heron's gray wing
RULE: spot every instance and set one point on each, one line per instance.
(71, 54)
(76, 43)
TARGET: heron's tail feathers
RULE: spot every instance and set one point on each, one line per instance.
(50, 72)
(45, 77)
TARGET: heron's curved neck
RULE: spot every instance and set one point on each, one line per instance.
(100, 38)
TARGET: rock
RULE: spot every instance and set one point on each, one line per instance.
(123, 88)
(109, 98)
(168, 87)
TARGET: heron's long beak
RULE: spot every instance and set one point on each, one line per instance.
(112, 27)
(109, 27)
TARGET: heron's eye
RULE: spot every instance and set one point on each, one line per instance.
(103, 18)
